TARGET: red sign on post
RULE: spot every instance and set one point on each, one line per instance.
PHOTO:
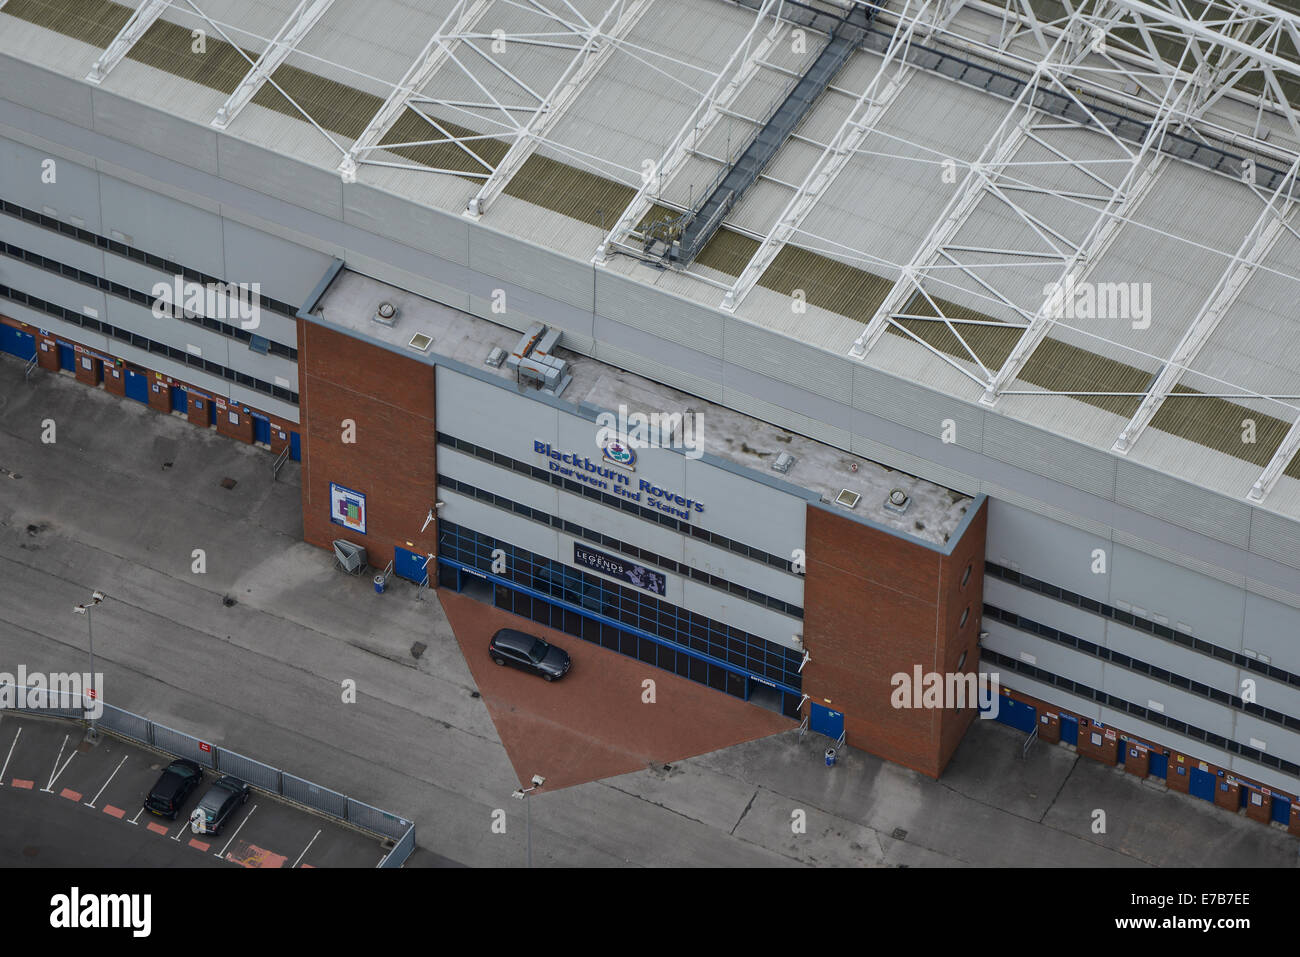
(205, 747)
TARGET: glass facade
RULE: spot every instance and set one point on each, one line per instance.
(627, 620)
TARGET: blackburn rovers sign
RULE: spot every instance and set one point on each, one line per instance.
(612, 478)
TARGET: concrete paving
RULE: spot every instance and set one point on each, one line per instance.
(253, 653)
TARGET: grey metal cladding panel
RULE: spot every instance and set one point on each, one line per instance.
(1269, 777)
(74, 192)
(49, 286)
(485, 475)
(727, 564)
(1048, 655)
(279, 176)
(1278, 741)
(1277, 538)
(1045, 610)
(782, 416)
(48, 92)
(522, 263)
(285, 270)
(1273, 593)
(739, 613)
(780, 357)
(143, 278)
(169, 331)
(629, 302)
(590, 514)
(1049, 456)
(56, 246)
(1181, 559)
(1179, 503)
(163, 226)
(1181, 705)
(434, 232)
(1046, 549)
(415, 272)
(474, 514)
(1164, 736)
(668, 375)
(493, 417)
(911, 464)
(1175, 658)
(153, 130)
(1272, 694)
(922, 409)
(1212, 608)
(1273, 629)
(56, 327)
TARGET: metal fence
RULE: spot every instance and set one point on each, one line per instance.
(71, 704)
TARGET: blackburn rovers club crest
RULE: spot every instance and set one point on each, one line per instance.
(618, 453)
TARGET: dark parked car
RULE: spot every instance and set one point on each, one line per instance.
(220, 802)
(175, 784)
(510, 647)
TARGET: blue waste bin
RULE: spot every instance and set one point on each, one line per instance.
(380, 584)
(830, 757)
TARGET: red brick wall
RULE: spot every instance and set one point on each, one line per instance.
(160, 393)
(393, 460)
(47, 353)
(876, 605)
(241, 430)
(115, 379)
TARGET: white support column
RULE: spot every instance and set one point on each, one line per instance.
(710, 109)
(1256, 245)
(596, 49)
(1277, 465)
(132, 30)
(834, 158)
(286, 39)
(462, 18)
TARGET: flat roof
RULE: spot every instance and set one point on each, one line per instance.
(933, 515)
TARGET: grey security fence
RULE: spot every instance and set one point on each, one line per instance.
(70, 704)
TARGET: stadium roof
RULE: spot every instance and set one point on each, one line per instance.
(967, 159)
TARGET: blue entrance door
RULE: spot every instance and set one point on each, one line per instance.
(1021, 716)
(1202, 784)
(16, 342)
(295, 447)
(1281, 809)
(261, 429)
(137, 386)
(1159, 767)
(825, 721)
(1069, 730)
(180, 399)
(67, 357)
(410, 565)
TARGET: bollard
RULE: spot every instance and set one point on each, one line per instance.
(830, 757)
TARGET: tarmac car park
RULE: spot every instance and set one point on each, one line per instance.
(100, 789)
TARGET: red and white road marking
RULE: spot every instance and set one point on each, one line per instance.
(10, 755)
(91, 802)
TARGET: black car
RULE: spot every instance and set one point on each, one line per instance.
(510, 647)
(176, 783)
(220, 802)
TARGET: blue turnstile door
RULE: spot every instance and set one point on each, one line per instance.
(1202, 784)
(1069, 730)
(295, 447)
(825, 721)
(261, 429)
(180, 399)
(410, 565)
(137, 386)
(18, 343)
(67, 357)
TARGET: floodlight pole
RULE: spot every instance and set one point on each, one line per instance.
(522, 795)
(84, 609)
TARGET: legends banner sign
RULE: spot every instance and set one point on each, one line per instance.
(617, 568)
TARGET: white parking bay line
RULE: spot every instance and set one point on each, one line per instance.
(306, 849)
(91, 802)
(11, 754)
(136, 819)
(54, 772)
(222, 852)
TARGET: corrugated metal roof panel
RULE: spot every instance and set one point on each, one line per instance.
(1182, 504)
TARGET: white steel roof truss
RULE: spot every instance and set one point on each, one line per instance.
(597, 46)
(731, 79)
(134, 28)
(459, 20)
(872, 104)
(306, 16)
(1254, 247)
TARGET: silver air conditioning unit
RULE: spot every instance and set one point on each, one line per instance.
(534, 362)
(385, 314)
(784, 462)
(898, 501)
(496, 357)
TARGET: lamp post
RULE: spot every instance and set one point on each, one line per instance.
(84, 609)
(522, 795)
